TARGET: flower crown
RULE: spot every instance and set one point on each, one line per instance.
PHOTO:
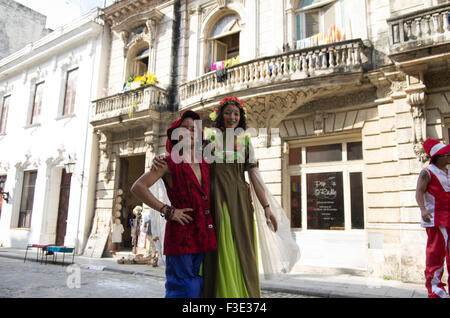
(228, 100)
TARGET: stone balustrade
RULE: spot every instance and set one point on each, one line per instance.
(420, 28)
(345, 56)
(129, 102)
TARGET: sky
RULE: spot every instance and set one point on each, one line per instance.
(60, 12)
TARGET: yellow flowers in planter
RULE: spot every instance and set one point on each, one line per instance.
(134, 82)
(146, 79)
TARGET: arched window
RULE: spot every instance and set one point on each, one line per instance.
(138, 60)
(223, 43)
(137, 49)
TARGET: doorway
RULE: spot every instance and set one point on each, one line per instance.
(63, 208)
(131, 168)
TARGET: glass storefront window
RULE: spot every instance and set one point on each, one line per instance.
(296, 202)
(325, 201)
(333, 193)
(324, 153)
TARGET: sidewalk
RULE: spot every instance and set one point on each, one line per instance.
(335, 285)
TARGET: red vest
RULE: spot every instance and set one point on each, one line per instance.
(437, 197)
(197, 236)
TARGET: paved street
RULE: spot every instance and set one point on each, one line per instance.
(31, 279)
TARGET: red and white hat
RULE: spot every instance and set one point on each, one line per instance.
(433, 147)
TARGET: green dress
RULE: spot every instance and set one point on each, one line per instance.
(232, 270)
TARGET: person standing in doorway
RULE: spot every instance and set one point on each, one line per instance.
(433, 198)
(189, 228)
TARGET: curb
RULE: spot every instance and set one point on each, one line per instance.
(124, 271)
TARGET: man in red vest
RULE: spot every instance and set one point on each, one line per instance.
(189, 228)
(433, 198)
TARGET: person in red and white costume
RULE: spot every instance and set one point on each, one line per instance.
(433, 198)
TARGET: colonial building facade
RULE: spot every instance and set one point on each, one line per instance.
(46, 91)
(346, 91)
(341, 93)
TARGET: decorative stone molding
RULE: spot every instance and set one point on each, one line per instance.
(39, 75)
(131, 39)
(417, 102)
(319, 122)
(54, 161)
(69, 62)
(122, 14)
(397, 88)
(124, 24)
(105, 151)
(28, 163)
(141, 17)
(268, 111)
(363, 95)
(124, 36)
(150, 138)
(416, 98)
(152, 30)
(4, 167)
(104, 143)
(221, 3)
(130, 147)
(389, 83)
(6, 89)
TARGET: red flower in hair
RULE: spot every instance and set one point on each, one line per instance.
(228, 100)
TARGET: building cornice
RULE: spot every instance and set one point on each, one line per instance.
(126, 13)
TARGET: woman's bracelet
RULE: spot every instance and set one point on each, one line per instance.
(168, 214)
(160, 210)
(266, 206)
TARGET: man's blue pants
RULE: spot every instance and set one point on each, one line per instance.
(182, 276)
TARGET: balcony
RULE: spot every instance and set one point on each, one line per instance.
(275, 72)
(128, 105)
(424, 28)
